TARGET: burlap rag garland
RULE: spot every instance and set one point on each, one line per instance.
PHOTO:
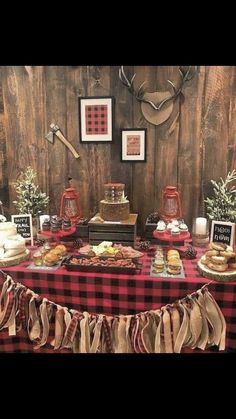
(195, 321)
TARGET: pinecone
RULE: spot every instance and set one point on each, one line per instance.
(153, 218)
(40, 242)
(144, 245)
(190, 253)
(77, 243)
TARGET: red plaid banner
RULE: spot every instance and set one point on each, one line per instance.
(114, 294)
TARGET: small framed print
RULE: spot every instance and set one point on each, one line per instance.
(133, 145)
(96, 119)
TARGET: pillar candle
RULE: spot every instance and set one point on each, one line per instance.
(201, 225)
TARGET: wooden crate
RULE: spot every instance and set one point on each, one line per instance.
(82, 231)
(149, 227)
(123, 232)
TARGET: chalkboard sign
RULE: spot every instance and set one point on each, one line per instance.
(223, 232)
(24, 226)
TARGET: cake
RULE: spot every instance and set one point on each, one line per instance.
(114, 207)
(7, 229)
(11, 243)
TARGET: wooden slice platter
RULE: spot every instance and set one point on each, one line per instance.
(15, 260)
(229, 275)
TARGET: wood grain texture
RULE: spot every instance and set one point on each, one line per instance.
(120, 171)
(143, 191)
(189, 150)
(216, 123)
(24, 104)
(4, 192)
(231, 155)
(56, 112)
(167, 138)
(32, 97)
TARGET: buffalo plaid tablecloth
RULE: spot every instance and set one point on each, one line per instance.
(117, 294)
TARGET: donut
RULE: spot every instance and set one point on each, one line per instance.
(227, 254)
(218, 260)
(218, 268)
(219, 246)
(210, 253)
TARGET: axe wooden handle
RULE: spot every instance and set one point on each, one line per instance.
(67, 144)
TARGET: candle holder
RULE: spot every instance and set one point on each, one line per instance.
(200, 232)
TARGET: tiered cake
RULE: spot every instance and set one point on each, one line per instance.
(115, 207)
(12, 245)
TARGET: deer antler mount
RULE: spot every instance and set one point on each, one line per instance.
(156, 106)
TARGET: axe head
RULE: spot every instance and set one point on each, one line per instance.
(50, 137)
(50, 134)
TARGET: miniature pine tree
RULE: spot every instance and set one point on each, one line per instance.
(222, 205)
(30, 200)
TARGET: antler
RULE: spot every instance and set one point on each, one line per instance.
(186, 75)
(130, 85)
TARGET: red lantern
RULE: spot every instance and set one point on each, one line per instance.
(170, 204)
(70, 205)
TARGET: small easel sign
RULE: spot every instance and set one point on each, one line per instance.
(24, 226)
(223, 232)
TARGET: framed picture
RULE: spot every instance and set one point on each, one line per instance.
(96, 119)
(223, 232)
(133, 145)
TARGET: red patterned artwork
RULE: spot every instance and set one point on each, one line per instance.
(133, 145)
(96, 119)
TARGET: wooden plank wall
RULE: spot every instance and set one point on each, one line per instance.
(196, 144)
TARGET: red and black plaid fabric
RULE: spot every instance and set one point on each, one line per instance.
(96, 119)
(115, 294)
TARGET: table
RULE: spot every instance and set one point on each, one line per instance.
(117, 294)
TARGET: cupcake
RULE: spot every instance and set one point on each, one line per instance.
(161, 223)
(161, 228)
(183, 227)
(158, 264)
(55, 226)
(66, 225)
(159, 252)
(175, 231)
(46, 226)
(169, 227)
(175, 223)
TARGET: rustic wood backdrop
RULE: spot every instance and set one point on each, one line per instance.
(31, 97)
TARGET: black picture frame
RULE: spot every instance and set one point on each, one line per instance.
(96, 114)
(133, 145)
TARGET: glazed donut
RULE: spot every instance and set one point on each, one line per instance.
(219, 246)
(210, 253)
(218, 268)
(204, 260)
(218, 260)
(227, 254)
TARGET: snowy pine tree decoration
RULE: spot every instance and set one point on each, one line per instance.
(30, 200)
(222, 205)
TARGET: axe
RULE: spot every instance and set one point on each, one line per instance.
(54, 129)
